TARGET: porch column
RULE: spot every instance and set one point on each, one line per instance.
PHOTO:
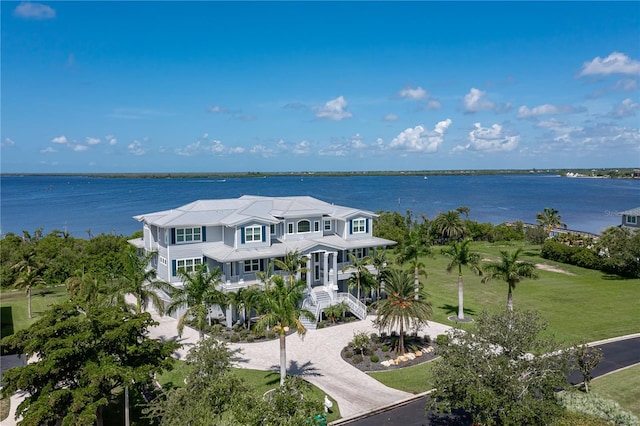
(325, 268)
(309, 271)
(335, 269)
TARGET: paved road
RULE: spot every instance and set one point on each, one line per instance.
(616, 355)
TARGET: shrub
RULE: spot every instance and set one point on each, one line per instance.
(348, 353)
(250, 339)
(427, 338)
(384, 348)
(357, 359)
(234, 338)
(374, 337)
(599, 407)
(360, 341)
(271, 335)
(367, 352)
(321, 324)
(442, 339)
(374, 358)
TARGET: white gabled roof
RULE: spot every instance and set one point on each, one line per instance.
(632, 212)
(236, 211)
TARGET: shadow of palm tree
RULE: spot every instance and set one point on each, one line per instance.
(295, 369)
(453, 309)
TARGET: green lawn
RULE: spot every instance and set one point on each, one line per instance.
(582, 307)
(260, 380)
(622, 386)
(415, 379)
(13, 306)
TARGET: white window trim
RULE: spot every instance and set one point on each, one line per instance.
(253, 264)
(632, 220)
(163, 260)
(316, 226)
(195, 262)
(193, 230)
(359, 226)
(298, 226)
(327, 225)
(251, 231)
(290, 228)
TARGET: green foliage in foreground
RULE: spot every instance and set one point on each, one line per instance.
(212, 393)
(593, 405)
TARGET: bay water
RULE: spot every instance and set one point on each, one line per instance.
(84, 205)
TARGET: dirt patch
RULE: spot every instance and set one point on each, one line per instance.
(550, 268)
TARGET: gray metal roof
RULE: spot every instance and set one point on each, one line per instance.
(632, 212)
(236, 211)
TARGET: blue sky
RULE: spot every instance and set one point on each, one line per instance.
(328, 86)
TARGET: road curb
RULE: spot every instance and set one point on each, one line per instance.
(360, 416)
(614, 339)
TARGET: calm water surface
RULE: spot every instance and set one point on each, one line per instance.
(78, 204)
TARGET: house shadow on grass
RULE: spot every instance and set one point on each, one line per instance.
(453, 310)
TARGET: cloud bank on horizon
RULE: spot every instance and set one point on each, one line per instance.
(209, 86)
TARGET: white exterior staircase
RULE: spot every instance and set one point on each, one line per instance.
(318, 299)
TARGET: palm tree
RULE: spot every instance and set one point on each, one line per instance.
(379, 261)
(294, 262)
(198, 293)
(414, 246)
(511, 270)
(461, 255)
(360, 275)
(401, 308)
(139, 281)
(30, 275)
(449, 225)
(282, 303)
(549, 219)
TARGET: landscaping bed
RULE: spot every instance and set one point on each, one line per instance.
(376, 352)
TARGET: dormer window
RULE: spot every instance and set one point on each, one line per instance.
(253, 234)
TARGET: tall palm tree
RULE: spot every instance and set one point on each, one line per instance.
(294, 262)
(282, 306)
(360, 275)
(449, 225)
(414, 246)
(379, 261)
(400, 308)
(549, 219)
(30, 275)
(198, 293)
(511, 270)
(139, 281)
(461, 255)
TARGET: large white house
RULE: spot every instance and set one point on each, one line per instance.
(243, 236)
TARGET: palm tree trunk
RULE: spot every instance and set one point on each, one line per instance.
(460, 299)
(510, 300)
(201, 335)
(401, 339)
(416, 282)
(283, 356)
(29, 301)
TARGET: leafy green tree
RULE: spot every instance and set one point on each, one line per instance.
(282, 307)
(619, 249)
(360, 274)
(587, 358)
(502, 373)
(30, 276)
(390, 225)
(449, 225)
(461, 255)
(511, 270)
(139, 281)
(400, 308)
(550, 219)
(83, 361)
(198, 293)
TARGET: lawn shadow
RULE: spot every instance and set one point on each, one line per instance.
(614, 277)
(453, 309)
(296, 369)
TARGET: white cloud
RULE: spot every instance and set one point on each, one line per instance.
(80, 148)
(626, 85)
(476, 100)
(434, 104)
(415, 94)
(60, 139)
(111, 139)
(302, 148)
(136, 148)
(30, 10)
(7, 143)
(92, 141)
(390, 117)
(547, 109)
(418, 139)
(333, 109)
(490, 139)
(205, 146)
(615, 63)
(48, 150)
(262, 150)
(626, 108)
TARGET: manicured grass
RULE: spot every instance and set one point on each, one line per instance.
(582, 307)
(260, 380)
(415, 379)
(622, 386)
(13, 304)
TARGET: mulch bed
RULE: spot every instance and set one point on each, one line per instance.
(376, 349)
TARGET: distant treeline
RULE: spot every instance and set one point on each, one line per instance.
(608, 172)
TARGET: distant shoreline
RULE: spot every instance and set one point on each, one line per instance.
(602, 173)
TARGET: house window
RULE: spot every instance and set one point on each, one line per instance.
(252, 234)
(188, 235)
(327, 225)
(316, 226)
(272, 229)
(252, 265)
(359, 226)
(304, 226)
(633, 220)
(163, 260)
(188, 265)
(290, 228)
(358, 253)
